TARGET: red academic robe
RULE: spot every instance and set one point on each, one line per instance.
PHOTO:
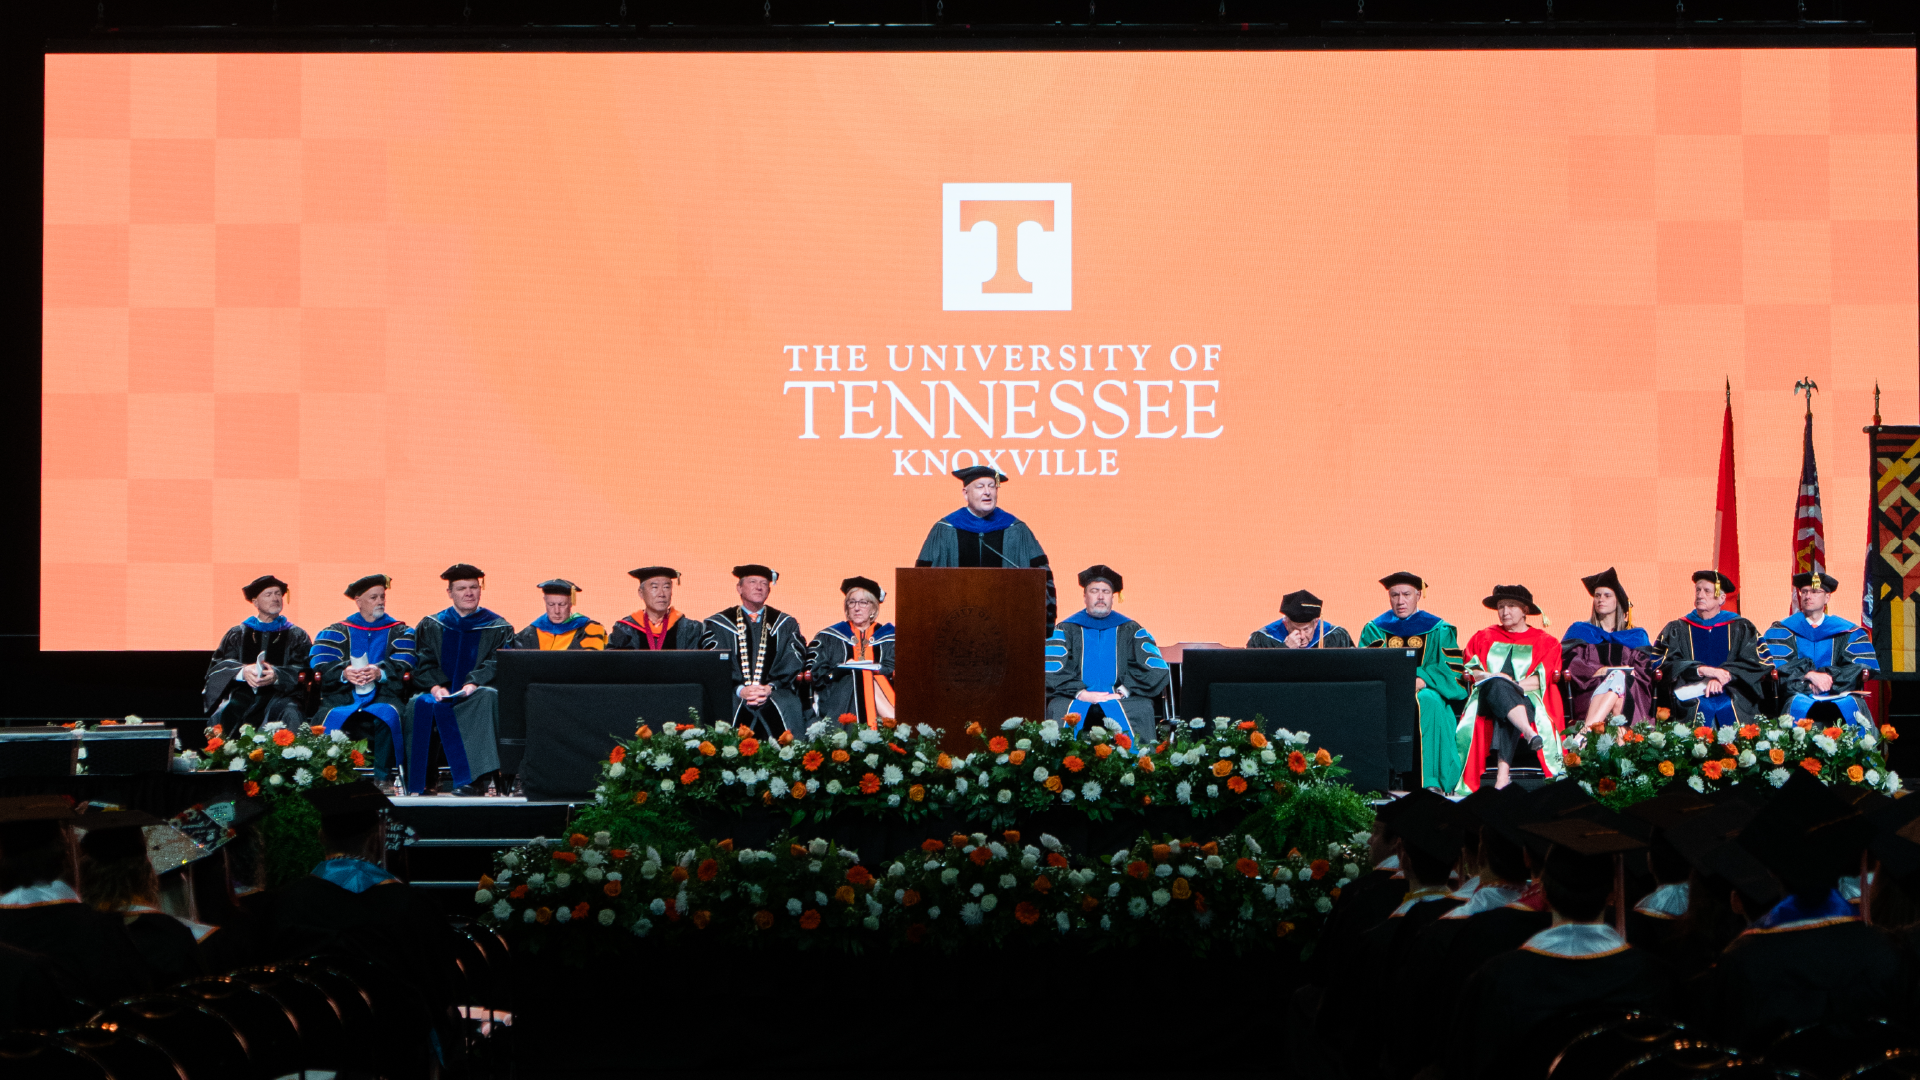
(1546, 663)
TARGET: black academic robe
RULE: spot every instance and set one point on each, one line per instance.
(1363, 904)
(840, 691)
(682, 633)
(1488, 934)
(226, 697)
(168, 946)
(1682, 666)
(1379, 958)
(784, 656)
(1274, 636)
(90, 950)
(1770, 981)
(1519, 993)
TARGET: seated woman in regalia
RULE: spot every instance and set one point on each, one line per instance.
(1610, 663)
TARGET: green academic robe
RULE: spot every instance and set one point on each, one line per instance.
(1440, 758)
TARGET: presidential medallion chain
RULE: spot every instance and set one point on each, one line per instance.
(760, 652)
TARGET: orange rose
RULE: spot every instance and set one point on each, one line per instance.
(611, 888)
(1605, 786)
(811, 760)
(1236, 784)
(1137, 869)
(1703, 732)
(1182, 890)
(798, 791)
(1321, 757)
(1247, 866)
(359, 759)
(1017, 756)
(1012, 837)
(1222, 767)
(1089, 903)
(1888, 733)
(283, 737)
(317, 729)
(565, 857)
(1073, 763)
(619, 755)
(543, 916)
(763, 919)
(1283, 929)
(639, 798)
(1812, 765)
(917, 793)
(1572, 759)
(708, 870)
(785, 739)
(1162, 852)
(1777, 756)
(1103, 751)
(1319, 868)
(702, 918)
(1026, 913)
(943, 762)
(911, 897)
(1663, 713)
(1855, 773)
(252, 789)
(724, 845)
(980, 856)
(997, 745)
(1246, 725)
(707, 749)
(215, 743)
(796, 851)
(974, 728)
(844, 894)
(691, 776)
(1211, 847)
(257, 754)
(1711, 769)
(1297, 762)
(1804, 724)
(1052, 783)
(1042, 884)
(809, 919)
(643, 732)
(1145, 763)
(579, 839)
(329, 774)
(1057, 860)
(1146, 800)
(679, 874)
(1666, 768)
(749, 746)
(869, 784)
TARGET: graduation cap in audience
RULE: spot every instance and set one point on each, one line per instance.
(1606, 833)
(1807, 835)
(1431, 825)
(1720, 581)
(847, 585)
(1300, 607)
(1504, 811)
(558, 587)
(1896, 841)
(1101, 572)
(36, 808)
(116, 834)
(974, 472)
(1706, 841)
(1606, 579)
(1675, 803)
(754, 569)
(1402, 577)
(1413, 802)
(646, 572)
(254, 588)
(363, 584)
(1827, 581)
(463, 572)
(339, 800)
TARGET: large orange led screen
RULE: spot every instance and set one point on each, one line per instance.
(1235, 324)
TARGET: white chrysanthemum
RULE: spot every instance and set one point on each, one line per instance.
(970, 914)
(1351, 870)
(650, 869)
(1137, 906)
(813, 786)
(1252, 845)
(1778, 777)
(788, 753)
(1893, 782)
(1249, 767)
(302, 777)
(1090, 790)
(997, 849)
(1023, 744)
(917, 768)
(1283, 896)
(1214, 862)
(1063, 921)
(605, 917)
(483, 896)
(778, 786)
(1604, 744)
(1763, 746)
(562, 879)
(1626, 767)
(502, 909)
(1617, 720)
(949, 876)
(794, 907)
(642, 926)
(1183, 792)
(816, 729)
(511, 858)
(1323, 905)
(977, 889)
(1213, 791)
(594, 873)
(1005, 795)
(1163, 870)
(529, 915)
(1106, 922)
(613, 875)
(960, 784)
(1007, 881)
(933, 912)
(663, 761)
(1746, 759)
(564, 914)
(1187, 870)
(1586, 787)
(238, 764)
(1226, 751)
(260, 739)
(926, 731)
(1067, 795)
(1283, 874)
(897, 870)
(1050, 732)
(892, 775)
(1826, 744)
(337, 735)
(332, 751)
(872, 760)
(1160, 897)
(989, 902)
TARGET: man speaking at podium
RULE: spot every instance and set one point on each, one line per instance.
(1101, 664)
(982, 534)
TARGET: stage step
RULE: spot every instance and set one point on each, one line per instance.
(448, 841)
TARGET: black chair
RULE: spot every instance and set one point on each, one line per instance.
(40, 1055)
(1833, 1049)
(1893, 1065)
(267, 1030)
(198, 1039)
(1598, 1050)
(351, 1005)
(1683, 1059)
(125, 1055)
(323, 1041)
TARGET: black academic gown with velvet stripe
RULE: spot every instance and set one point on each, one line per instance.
(1769, 981)
(1518, 993)
(89, 949)
(628, 633)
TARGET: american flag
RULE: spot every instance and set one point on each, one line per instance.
(1809, 533)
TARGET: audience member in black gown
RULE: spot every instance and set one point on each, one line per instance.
(1656, 920)
(1808, 959)
(117, 878)
(1578, 967)
(1495, 929)
(41, 913)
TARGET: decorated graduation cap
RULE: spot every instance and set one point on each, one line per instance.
(463, 572)
(1101, 572)
(35, 808)
(340, 800)
(1721, 582)
(1807, 835)
(1826, 581)
(1402, 577)
(856, 582)
(975, 472)
(254, 588)
(1606, 579)
(646, 572)
(754, 569)
(360, 586)
(1300, 607)
(1519, 594)
(558, 587)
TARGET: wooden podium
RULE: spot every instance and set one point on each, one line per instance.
(970, 647)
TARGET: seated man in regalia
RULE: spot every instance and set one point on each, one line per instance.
(658, 624)
(363, 661)
(1713, 666)
(1300, 627)
(255, 673)
(982, 534)
(1436, 682)
(1102, 665)
(458, 650)
(561, 627)
(768, 650)
(1821, 657)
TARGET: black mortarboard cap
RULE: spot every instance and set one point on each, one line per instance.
(261, 584)
(1101, 572)
(1726, 583)
(1300, 606)
(646, 572)
(1432, 826)
(1587, 835)
(1401, 577)
(337, 800)
(1606, 579)
(754, 569)
(847, 585)
(1807, 835)
(1706, 841)
(1896, 840)
(114, 834)
(363, 584)
(558, 587)
(463, 572)
(1674, 804)
(35, 808)
(970, 474)
(1827, 581)
(1413, 802)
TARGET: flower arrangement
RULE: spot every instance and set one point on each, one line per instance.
(1211, 765)
(1624, 763)
(1027, 766)
(279, 759)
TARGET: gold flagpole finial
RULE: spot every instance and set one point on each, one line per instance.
(1806, 386)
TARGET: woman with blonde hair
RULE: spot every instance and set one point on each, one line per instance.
(117, 877)
(852, 661)
(1611, 664)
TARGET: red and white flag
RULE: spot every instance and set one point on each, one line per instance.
(1809, 532)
